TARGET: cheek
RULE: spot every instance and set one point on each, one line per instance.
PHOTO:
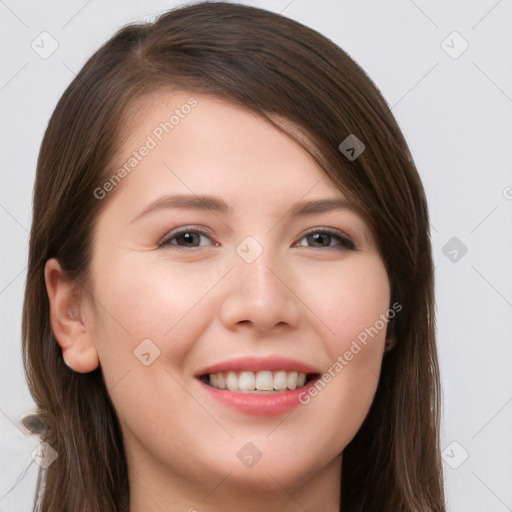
(354, 305)
(349, 300)
(136, 301)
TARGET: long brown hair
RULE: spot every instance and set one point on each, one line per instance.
(309, 88)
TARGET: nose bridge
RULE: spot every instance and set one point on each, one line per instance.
(259, 279)
(260, 293)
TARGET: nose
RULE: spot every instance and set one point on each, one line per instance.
(261, 295)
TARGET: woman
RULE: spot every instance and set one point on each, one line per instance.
(229, 302)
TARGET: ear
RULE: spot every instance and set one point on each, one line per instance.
(390, 330)
(66, 319)
(390, 343)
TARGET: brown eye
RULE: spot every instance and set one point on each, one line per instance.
(327, 239)
(186, 239)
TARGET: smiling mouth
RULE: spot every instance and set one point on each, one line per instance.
(264, 381)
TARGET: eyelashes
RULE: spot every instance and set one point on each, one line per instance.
(193, 238)
(186, 235)
(321, 235)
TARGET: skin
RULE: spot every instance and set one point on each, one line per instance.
(205, 304)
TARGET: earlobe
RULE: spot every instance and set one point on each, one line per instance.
(66, 318)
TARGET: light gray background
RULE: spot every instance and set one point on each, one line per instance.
(455, 114)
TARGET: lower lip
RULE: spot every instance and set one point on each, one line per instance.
(259, 404)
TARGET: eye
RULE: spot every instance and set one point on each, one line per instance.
(185, 238)
(326, 239)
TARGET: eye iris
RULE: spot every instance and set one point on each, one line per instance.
(322, 239)
(188, 238)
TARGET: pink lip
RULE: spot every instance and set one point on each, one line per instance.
(261, 404)
(255, 364)
(258, 404)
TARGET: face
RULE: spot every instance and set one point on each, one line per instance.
(227, 259)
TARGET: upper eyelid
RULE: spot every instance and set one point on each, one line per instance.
(184, 229)
(326, 229)
(332, 231)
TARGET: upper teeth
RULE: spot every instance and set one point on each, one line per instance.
(257, 381)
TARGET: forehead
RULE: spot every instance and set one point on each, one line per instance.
(176, 143)
(202, 144)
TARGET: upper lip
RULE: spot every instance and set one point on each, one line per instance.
(255, 364)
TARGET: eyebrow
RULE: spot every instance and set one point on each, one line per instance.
(189, 202)
(319, 206)
(216, 204)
